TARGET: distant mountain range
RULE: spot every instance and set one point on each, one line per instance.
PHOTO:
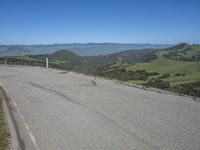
(15, 51)
(89, 49)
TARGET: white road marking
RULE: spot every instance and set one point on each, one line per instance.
(22, 117)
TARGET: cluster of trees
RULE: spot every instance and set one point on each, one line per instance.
(167, 75)
(158, 83)
(16, 61)
(192, 89)
(177, 56)
(179, 74)
(123, 74)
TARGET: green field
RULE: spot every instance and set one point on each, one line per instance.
(163, 66)
(26, 58)
(137, 81)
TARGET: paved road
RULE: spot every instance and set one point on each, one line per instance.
(58, 110)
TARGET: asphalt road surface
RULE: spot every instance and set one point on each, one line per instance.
(59, 110)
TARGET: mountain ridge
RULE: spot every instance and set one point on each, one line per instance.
(15, 51)
(87, 49)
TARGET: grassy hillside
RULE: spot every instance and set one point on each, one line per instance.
(184, 52)
(179, 76)
(163, 66)
(176, 68)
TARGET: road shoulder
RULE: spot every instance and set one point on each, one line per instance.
(7, 107)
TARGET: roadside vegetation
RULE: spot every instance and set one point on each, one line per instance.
(4, 131)
(182, 77)
(188, 88)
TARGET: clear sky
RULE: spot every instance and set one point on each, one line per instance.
(83, 21)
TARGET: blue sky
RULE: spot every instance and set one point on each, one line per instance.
(83, 21)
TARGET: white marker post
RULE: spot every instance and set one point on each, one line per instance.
(6, 60)
(47, 63)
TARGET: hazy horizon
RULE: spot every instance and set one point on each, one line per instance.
(98, 43)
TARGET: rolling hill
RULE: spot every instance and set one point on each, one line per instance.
(173, 67)
(93, 63)
(178, 65)
(15, 51)
(89, 49)
(183, 52)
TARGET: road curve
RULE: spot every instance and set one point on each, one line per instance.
(59, 110)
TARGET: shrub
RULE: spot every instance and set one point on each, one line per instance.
(153, 73)
(177, 74)
(167, 75)
(158, 83)
(131, 72)
(140, 71)
(141, 77)
(122, 70)
(192, 89)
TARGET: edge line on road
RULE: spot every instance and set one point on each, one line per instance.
(7, 94)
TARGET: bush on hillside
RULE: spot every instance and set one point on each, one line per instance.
(166, 75)
(192, 89)
(158, 83)
(177, 74)
(140, 71)
(153, 73)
